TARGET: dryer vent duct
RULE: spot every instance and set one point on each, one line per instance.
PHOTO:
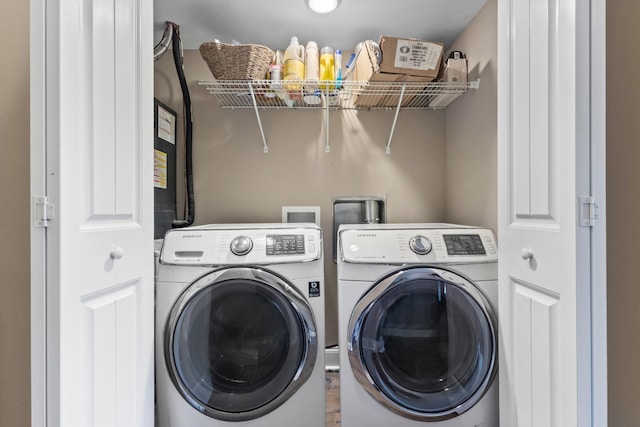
(164, 43)
(171, 36)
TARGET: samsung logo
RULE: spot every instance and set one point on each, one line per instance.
(192, 236)
(367, 235)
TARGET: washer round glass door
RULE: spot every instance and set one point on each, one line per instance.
(239, 341)
(423, 343)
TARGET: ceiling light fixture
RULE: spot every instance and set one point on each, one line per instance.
(323, 6)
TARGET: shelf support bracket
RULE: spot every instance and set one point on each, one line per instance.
(327, 148)
(395, 119)
(255, 107)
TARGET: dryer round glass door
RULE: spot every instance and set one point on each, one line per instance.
(238, 342)
(423, 343)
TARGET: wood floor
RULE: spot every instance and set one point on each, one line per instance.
(333, 399)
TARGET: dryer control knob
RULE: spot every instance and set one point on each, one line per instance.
(241, 245)
(420, 245)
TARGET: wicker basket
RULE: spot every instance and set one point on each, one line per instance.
(237, 62)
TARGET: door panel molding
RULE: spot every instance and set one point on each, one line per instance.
(541, 167)
(115, 332)
(535, 318)
(92, 306)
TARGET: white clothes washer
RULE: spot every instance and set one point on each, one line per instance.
(240, 326)
(417, 325)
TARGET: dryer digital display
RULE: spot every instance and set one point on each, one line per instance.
(285, 244)
(464, 244)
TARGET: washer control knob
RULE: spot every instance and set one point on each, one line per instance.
(241, 245)
(420, 245)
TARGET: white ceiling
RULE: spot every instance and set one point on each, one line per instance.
(272, 23)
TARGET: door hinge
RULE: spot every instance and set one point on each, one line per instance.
(588, 211)
(42, 212)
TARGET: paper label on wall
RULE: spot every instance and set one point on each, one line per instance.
(159, 169)
(417, 55)
(166, 125)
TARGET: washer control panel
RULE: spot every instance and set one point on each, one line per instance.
(285, 244)
(242, 245)
(415, 243)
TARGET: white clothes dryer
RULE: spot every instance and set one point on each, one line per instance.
(417, 325)
(240, 326)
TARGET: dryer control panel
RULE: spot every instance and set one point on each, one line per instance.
(416, 243)
(230, 245)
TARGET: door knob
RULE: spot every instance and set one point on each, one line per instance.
(526, 253)
(116, 253)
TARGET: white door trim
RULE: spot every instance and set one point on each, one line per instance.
(37, 28)
(117, 384)
(549, 75)
(599, 390)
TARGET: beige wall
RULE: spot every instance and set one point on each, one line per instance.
(623, 224)
(471, 182)
(357, 143)
(14, 224)
(236, 182)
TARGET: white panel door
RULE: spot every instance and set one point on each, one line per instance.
(96, 119)
(544, 253)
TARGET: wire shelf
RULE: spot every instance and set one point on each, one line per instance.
(331, 94)
(264, 94)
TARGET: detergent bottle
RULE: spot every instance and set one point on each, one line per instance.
(275, 75)
(327, 68)
(311, 74)
(311, 66)
(294, 65)
(338, 67)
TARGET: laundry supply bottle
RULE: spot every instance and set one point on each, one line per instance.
(338, 68)
(294, 65)
(311, 66)
(327, 68)
(275, 75)
(311, 74)
(275, 69)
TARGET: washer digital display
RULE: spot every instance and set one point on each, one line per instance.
(464, 244)
(285, 244)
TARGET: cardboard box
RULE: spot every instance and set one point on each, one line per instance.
(411, 57)
(365, 64)
(417, 57)
(361, 71)
(455, 70)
